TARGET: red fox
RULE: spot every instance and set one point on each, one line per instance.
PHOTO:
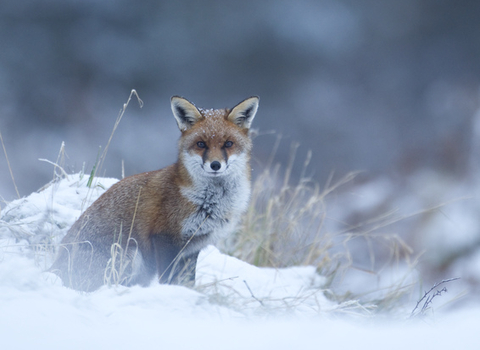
(156, 223)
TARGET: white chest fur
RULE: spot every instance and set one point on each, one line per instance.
(220, 202)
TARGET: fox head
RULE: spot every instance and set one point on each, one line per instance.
(214, 142)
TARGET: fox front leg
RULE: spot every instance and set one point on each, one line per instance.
(173, 267)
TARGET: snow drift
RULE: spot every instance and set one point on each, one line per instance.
(234, 305)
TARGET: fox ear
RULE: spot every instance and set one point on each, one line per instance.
(185, 113)
(243, 113)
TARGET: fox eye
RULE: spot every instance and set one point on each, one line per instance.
(228, 144)
(201, 144)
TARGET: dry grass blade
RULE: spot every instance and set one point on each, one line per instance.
(117, 122)
(8, 164)
(101, 158)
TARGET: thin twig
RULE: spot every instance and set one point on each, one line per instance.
(251, 293)
(428, 299)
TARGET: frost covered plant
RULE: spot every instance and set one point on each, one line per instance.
(425, 302)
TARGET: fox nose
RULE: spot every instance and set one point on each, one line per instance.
(215, 166)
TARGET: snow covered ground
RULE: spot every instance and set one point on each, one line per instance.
(233, 306)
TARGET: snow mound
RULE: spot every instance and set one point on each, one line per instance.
(30, 227)
(234, 305)
(49, 213)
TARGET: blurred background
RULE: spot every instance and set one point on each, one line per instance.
(389, 88)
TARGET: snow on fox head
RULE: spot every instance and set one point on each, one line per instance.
(214, 142)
